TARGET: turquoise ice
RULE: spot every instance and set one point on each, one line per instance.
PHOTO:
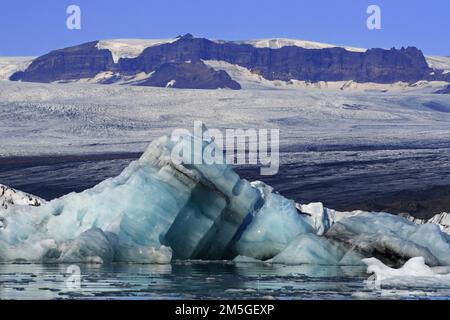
(159, 209)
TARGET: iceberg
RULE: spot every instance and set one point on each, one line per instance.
(414, 273)
(155, 210)
(162, 208)
(392, 238)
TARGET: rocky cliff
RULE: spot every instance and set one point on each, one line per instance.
(179, 64)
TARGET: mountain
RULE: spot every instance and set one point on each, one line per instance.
(185, 62)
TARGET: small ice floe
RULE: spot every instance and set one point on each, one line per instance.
(414, 273)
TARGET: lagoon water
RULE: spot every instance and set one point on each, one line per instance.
(198, 280)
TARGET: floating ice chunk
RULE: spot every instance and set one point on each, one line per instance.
(413, 273)
(312, 249)
(414, 267)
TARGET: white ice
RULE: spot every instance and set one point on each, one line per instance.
(10, 65)
(129, 48)
(12, 197)
(414, 273)
(153, 204)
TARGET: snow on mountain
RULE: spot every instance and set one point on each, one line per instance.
(106, 71)
(130, 48)
(11, 197)
(277, 43)
(439, 63)
(112, 77)
(10, 65)
(434, 62)
(250, 80)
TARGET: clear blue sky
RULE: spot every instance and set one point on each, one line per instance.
(35, 27)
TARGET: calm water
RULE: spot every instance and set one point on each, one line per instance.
(194, 280)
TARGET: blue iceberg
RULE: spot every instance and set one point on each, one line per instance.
(159, 209)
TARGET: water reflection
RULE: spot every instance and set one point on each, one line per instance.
(192, 280)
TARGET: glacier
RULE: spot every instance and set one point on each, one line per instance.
(159, 210)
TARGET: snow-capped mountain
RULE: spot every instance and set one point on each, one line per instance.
(277, 43)
(439, 63)
(129, 48)
(190, 62)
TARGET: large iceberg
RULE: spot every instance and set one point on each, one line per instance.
(162, 208)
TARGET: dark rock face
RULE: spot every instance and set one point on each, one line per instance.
(192, 75)
(83, 61)
(333, 64)
(291, 62)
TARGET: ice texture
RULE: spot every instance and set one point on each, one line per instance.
(153, 205)
(393, 236)
(11, 197)
(413, 273)
(274, 226)
(163, 207)
(441, 219)
(313, 249)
